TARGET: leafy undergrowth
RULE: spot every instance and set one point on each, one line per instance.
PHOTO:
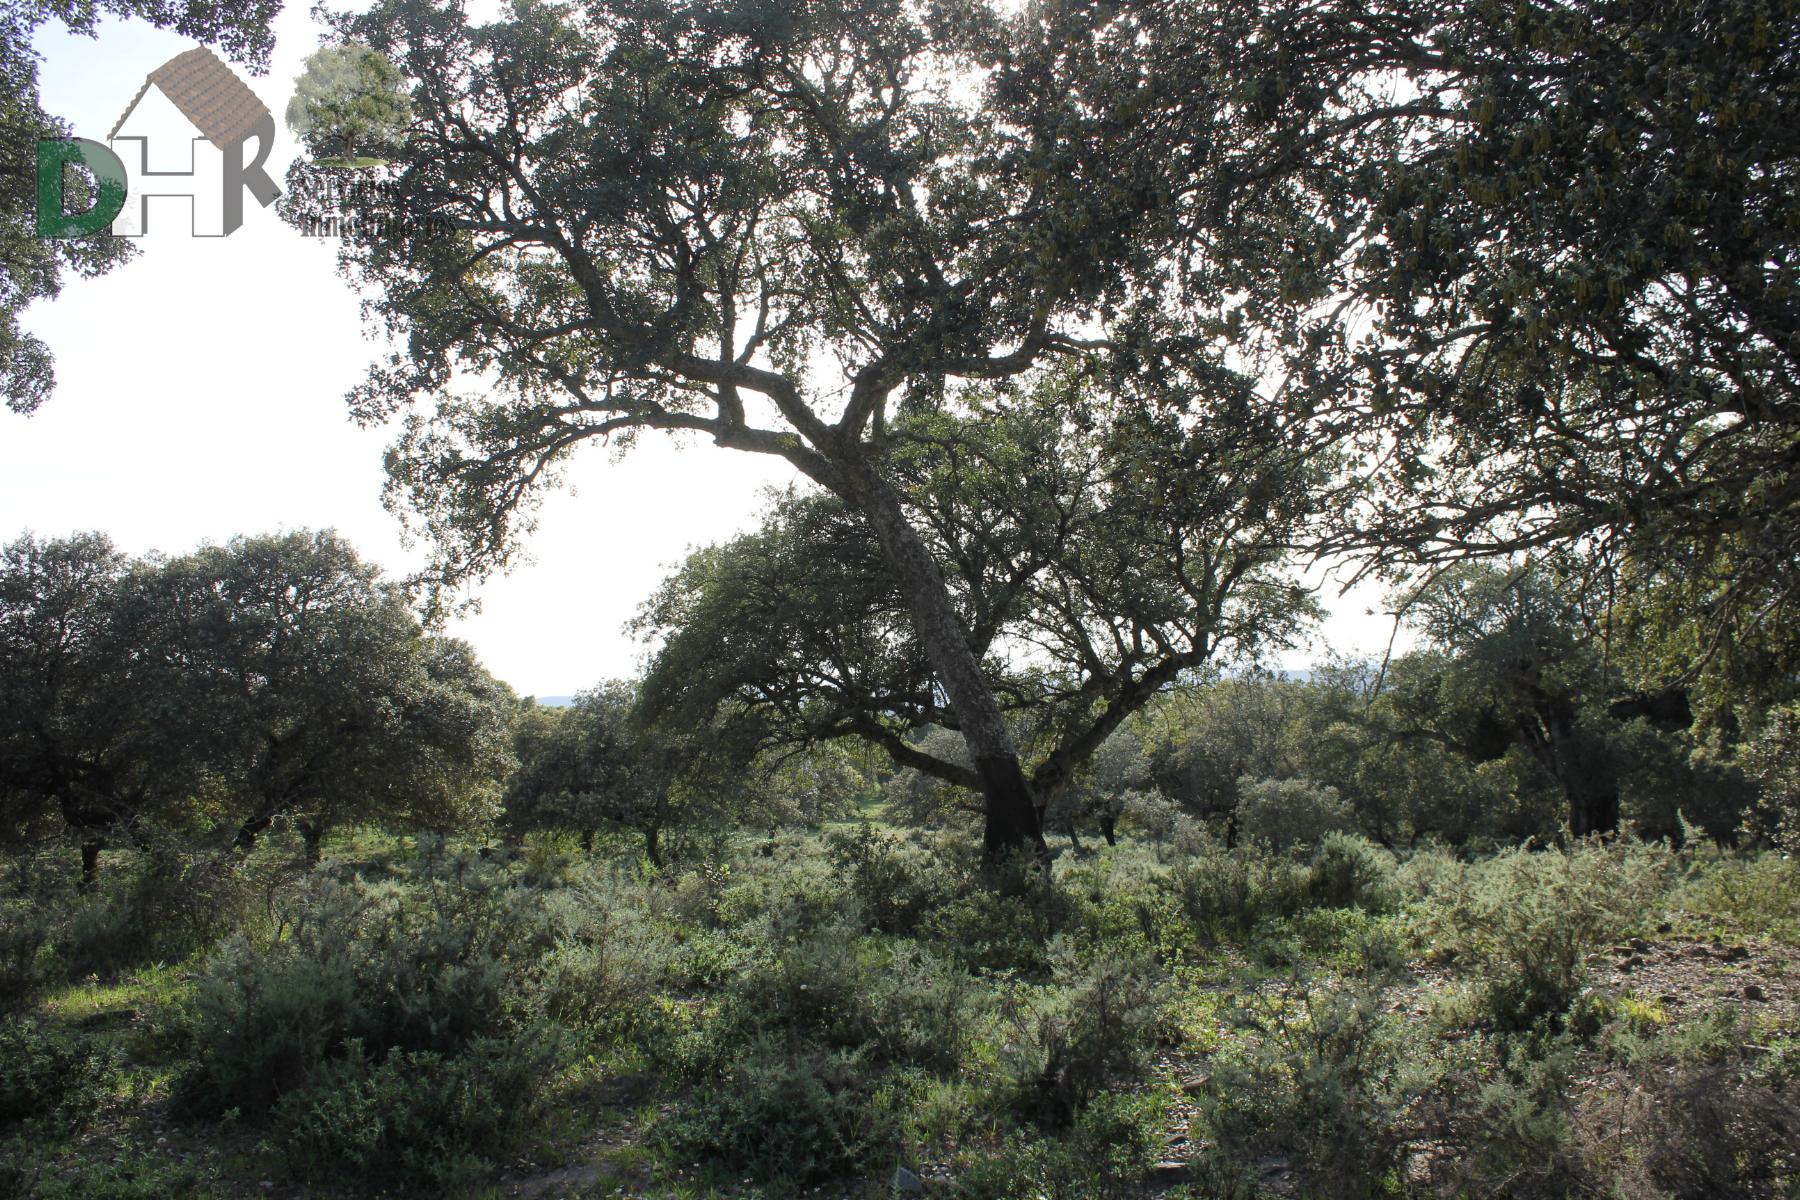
(864, 1013)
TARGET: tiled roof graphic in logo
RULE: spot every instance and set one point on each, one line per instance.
(208, 93)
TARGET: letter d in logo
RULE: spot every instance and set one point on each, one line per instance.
(53, 155)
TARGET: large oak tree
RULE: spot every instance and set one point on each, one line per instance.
(784, 228)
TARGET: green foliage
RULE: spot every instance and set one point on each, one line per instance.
(1114, 1141)
(1505, 1116)
(51, 1078)
(1329, 1081)
(349, 102)
(1091, 1028)
(1757, 893)
(1349, 871)
(1772, 759)
(418, 965)
(1225, 892)
(131, 1175)
(25, 932)
(607, 954)
(1524, 921)
(894, 887)
(1289, 814)
(924, 1010)
(999, 930)
(210, 695)
(417, 1117)
(798, 1114)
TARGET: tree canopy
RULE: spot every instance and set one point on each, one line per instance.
(1096, 552)
(270, 677)
(788, 229)
(1519, 275)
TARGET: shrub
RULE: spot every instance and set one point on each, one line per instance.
(26, 930)
(1350, 871)
(1501, 1122)
(1223, 892)
(1525, 921)
(1330, 1082)
(158, 905)
(414, 965)
(923, 1010)
(49, 1077)
(1105, 1156)
(1092, 1028)
(1290, 814)
(1758, 893)
(1151, 813)
(991, 930)
(606, 956)
(416, 1117)
(786, 1113)
(1772, 760)
(891, 887)
(814, 989)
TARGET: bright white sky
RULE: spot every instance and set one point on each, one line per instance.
(201, 395)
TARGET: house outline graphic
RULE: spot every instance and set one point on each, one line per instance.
(211, 97)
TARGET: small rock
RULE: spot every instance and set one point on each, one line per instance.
(907, 1183)
(1753, 992)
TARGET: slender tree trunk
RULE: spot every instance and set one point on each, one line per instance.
(90, 863)
(1013, 823)
(653, 845)
(311, 835)
(1109, 826)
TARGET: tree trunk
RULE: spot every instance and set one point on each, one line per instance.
(311, 835)
(1013, 824)
(90, 863)
(653, 845)
(1109, 826)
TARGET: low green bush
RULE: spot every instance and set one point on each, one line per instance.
(1290, 814)
(1350, 871)
(1327, 1079)
(1525, 921)
(416, 1118)
(1093, 1027)
(788, 1114)
(1105, 1156)
(1225, 893)
(608, 954)
(418, 964)
(923, 1009)
(891, 885)
(51, 1078)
